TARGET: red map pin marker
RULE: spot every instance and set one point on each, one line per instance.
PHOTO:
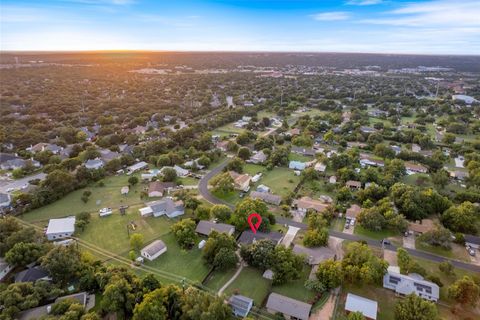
(255, 226)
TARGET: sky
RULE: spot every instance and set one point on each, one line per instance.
(380, 26)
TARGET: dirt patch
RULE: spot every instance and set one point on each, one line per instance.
(409, 242)
(326, 312)
(390, 257)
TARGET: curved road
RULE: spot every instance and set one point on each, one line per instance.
(206, 194)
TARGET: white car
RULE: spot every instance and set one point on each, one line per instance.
(105, 212)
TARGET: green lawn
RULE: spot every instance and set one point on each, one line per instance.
(280, 180)
(188, 181)
(185, 263)
(250, 283)
(338, 224)
(71, 204)
(110, 233)
(296, 289)
(385, 298)
(379, 235)
(219, 278)
(230, 197)
(457, 252)
(418, 179)
(298, 157)
(316, 188)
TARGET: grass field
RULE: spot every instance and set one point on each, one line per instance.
(188, 264)
(296, 289)
(379, 235)
(280, 180)
(298, 157)
(457, 252)
(71, 204)
(418, 179)
(316, 188)
(110, 233)
(251, 284)
(188, 181)
(219, 278)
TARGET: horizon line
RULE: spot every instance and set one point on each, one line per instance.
(231, 51)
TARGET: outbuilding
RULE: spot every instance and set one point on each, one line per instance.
(368, 308)
(60, 228)
(154, 250)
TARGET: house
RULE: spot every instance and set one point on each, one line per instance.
(416, 148)
(137, 167)
(367, 129)
(306, 203)
(165, 206)
(352, 184)
(94, 164)
(256, 177)
(459, 175)
(39, 147)
(266, 197)
(320, 167)
(157, 188)
(368, 308)
(17, 163)
(415, 168)
(5, 268)
(472, 241)
(193, 164)
(248, 237)
(355, 144)
(139, 130)
(241, 305)
(366, 160)
(413, 283)
(32, 274)
(464, 98)
(290, 308)
(421, 226)
(125, 149)
(154, 250)
(241, 181)
(222, 145)
(293, 132)
(87, 301)
(332, 179)
(353, 212)
(303, 151)
(314, 255)
(60, 228)
(125, 190)
(5, 200)
(180, 171)
(258, 157)
(297, 165)
(205, 227)
(108, 155)
(263, 188)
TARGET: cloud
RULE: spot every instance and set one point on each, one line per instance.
(331, 16)
(363, 2)
(442, 13)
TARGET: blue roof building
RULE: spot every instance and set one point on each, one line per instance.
(241, 305)
(297, 165)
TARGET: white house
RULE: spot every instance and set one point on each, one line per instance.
(154, 250)
(60, 228)
(136, 167)
(413, 283)
(368, 308)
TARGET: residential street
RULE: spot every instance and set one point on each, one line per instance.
(18, 184)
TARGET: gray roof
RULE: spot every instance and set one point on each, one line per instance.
(6, 157)
(471, 239)
(248, 237)
(31, 274)
(4, 198)
(206, 227)
(154, 247)
(93, 163)
(315, 255)
(363, 305)
(267, 197)
(288, 306)
(63, 225)
(166, 205)
(412, 283)
(241, 304)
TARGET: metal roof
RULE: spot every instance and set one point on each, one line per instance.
(64, 225)
(288, 306)
(363, 305)
(206, 227)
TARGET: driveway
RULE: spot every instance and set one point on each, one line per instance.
(409, 242)
(289, 236)
(17, 184)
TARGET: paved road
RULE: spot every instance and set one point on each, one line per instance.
(203, 185)
(203, 188)
(17, 184)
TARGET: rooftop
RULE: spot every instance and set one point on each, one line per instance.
(288, 306)
(63, 225)
(154, 247)
(206, 227)
(363, 305)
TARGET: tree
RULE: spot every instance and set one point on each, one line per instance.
(415, 308)
(459, 218)
(222, 183)
(169, 175)
(118, 296)
(184, 232)
(133, 180)
(315, 285)
(62, 263)
(244, 153)
(439, 237)
(286, 265)
(152, 307)
(440, 178)
(221, 212)
(360, 265)
(356, 315)
(197, 304)
(446, 267)
(202, 213)
(465, 291)
(248, 206)
(259, 254)
(236, 164)
(150, 283)
(316, 237)
(219, 251)
(23, 254)
(330, 273)
(164, 160)
(136, 241)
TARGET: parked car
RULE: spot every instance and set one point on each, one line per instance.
(347, 226)
(470, 250)
(385, 242)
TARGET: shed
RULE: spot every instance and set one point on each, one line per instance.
(288, 306)
(154, 250)
(241, 305)
(363, 305)
(60, 228)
